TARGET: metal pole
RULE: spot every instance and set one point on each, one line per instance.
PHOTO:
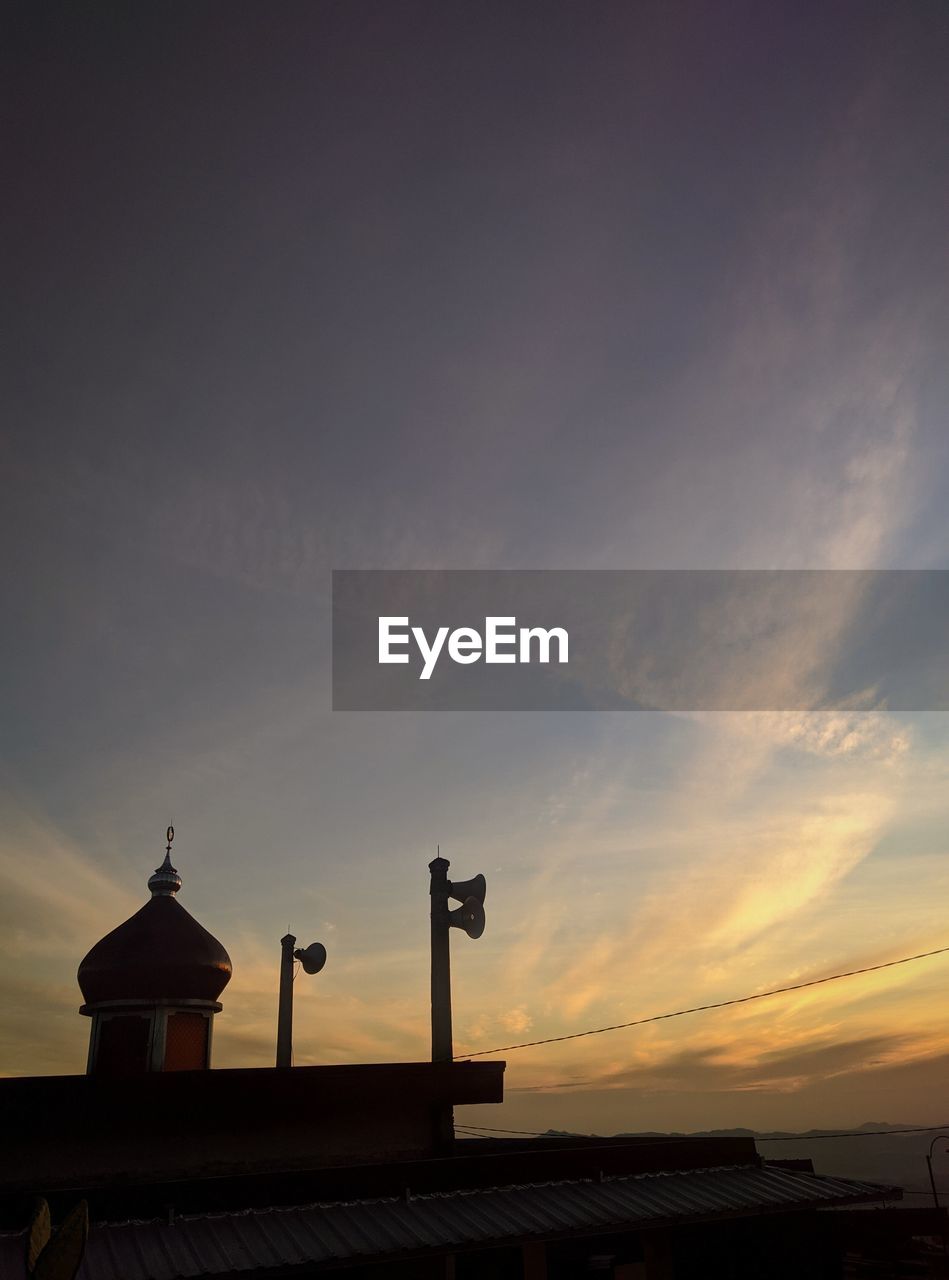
(940, 1137)
(441, 963)
(285, 1011)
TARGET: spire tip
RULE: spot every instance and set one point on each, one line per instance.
(165, 881)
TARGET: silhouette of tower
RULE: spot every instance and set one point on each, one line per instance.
(151, 986)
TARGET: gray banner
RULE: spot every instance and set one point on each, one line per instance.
(671, 640)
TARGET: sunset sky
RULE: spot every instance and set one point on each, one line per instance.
(537, 285)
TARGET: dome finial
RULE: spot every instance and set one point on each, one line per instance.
(165, 880)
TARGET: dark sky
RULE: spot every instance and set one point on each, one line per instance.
(558, 285)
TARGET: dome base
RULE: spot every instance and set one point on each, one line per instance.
(130, 1038)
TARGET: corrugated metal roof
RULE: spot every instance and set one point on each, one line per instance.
(321, 1234)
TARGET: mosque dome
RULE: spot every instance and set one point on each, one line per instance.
(159, 954)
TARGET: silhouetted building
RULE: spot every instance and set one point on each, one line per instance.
(151, 987)
(274, 1173)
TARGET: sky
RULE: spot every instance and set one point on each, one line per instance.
(434, 285)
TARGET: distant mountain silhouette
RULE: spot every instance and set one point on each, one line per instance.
(875, 1151)
(898, 1159)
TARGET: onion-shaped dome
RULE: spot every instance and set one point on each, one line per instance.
(160, 953)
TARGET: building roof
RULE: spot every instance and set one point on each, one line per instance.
(160, 953)
(324, 1235)
(211, 1138)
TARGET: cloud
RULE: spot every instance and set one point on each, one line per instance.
(784, 870)
(56, 895)
(717, 1066)
(516, 1021)
(41, 1032)
(56, 900)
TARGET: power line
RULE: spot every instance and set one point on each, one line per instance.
(856, 1133)
(710, 1137)
(703, 1008)
(528, 1133)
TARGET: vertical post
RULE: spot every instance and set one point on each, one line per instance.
(441, 963)
(658, 1255)
(940, 1137)
(285, 1011)
(534, 1261)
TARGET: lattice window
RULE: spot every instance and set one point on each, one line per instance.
(123, 1046)
(186, 1042)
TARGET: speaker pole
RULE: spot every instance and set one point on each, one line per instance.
(441, 964)
(285, 1011)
